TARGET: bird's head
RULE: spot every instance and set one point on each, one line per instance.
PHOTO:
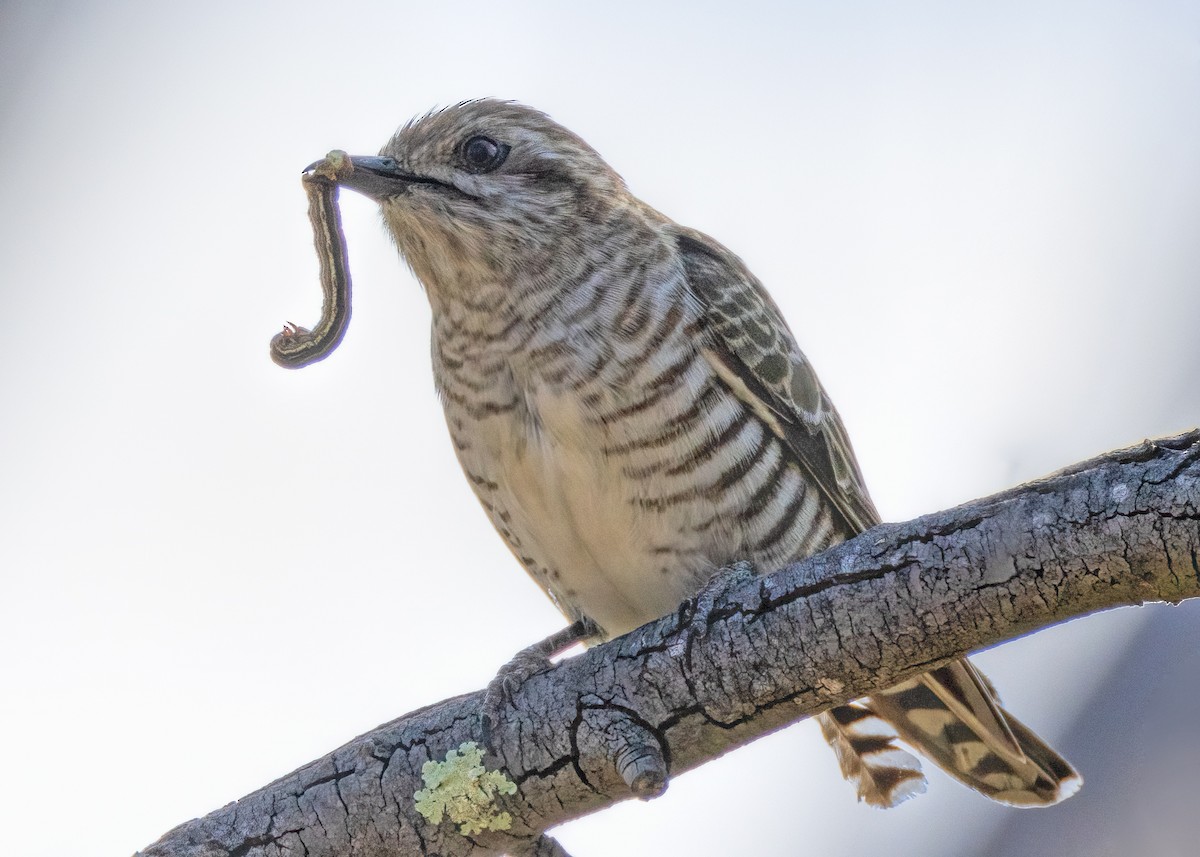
(484, 190)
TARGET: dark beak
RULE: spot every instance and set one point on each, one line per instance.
(377, 178)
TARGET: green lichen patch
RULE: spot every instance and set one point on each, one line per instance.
(463, 790)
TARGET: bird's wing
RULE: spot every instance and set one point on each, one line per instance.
(754, 352)
(951, 714)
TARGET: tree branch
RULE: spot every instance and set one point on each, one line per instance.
(1122, 529)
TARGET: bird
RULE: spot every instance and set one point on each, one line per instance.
(635, 416)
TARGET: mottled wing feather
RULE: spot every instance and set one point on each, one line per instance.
(752, 348)
(950, 714)
(751, 340)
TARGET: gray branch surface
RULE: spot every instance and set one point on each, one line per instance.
(1122, 529)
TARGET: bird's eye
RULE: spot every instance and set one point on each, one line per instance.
(483, 154)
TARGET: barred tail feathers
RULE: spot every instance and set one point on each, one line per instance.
(953, 718)
(882, 773)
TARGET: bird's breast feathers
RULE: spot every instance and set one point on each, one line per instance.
(569, 479)
(569, 509)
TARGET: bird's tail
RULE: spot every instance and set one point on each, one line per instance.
(953, 718)
(882, 773)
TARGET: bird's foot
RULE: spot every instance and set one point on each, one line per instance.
(718, 586)
(524, 665)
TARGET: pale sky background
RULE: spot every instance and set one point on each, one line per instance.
(982, 221)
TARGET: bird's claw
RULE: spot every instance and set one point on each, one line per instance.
(726, 580)
(524, 665)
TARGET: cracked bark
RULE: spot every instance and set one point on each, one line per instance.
(1122, 529)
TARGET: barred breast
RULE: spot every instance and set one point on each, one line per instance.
(618, 464)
